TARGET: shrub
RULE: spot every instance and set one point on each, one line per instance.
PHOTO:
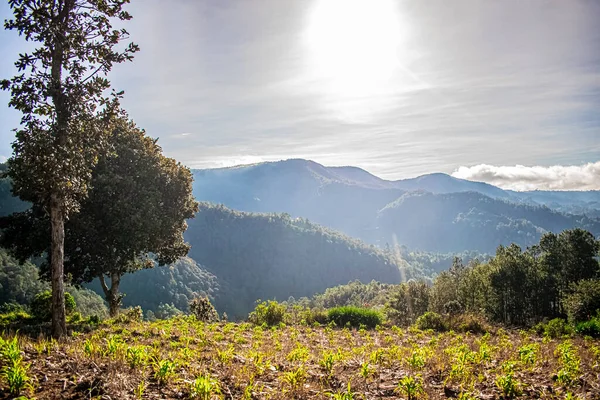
(203, 310)
(431, 320)
(584, 300)
(14, 317)
(354, 316)
(470, 323)
(41, 305)
(132, 314)
(453, 307)
(268, 313)
(557, 328)
(589, 328)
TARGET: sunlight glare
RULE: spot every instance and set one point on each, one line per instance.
(354, 46)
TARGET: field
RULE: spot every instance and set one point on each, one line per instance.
(182, 358)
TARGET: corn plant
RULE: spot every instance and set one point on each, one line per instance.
(300, 353)
(16, 377)
(411, 386)
(226, 355)
(140, 389)
(570, 362)
(164, 370)
(136, 356)
(327, 362)
(528, 354)
(294, 379)
(366, 370)
(343, 395)
(417, 359)
(507, 383)
(204, 387)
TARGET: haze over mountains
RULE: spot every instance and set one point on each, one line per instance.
(434, 212)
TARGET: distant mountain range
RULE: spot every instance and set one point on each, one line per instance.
(434, 212)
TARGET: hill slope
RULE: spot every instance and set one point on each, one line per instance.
(464, 215)
(274, 256)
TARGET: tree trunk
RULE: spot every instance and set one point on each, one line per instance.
(112, 295)
(59, 323)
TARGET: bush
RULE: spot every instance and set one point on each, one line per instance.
(555, 328)
(41, 305)
(14, 317)
(589, 328)
(453, 307)
(431, 320)
(469, 323)
(203, 310)
(584, 300)
(269, 313)
(132, 314)
(354, 316)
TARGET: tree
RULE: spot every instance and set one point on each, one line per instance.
(133, 218)
(66, 115)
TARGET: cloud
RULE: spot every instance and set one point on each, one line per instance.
(519, 177)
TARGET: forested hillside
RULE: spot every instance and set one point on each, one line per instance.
(469, 220)
(433, 212)
(274, 256)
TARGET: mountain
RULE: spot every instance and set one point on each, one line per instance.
(456, 215)
(470, 220)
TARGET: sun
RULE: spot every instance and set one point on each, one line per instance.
(354, 45)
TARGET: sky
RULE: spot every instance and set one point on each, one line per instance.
(506, 92)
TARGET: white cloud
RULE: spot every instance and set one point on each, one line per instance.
(519, 177)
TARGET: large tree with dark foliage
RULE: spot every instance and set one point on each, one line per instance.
(134, 216)
(60, 90)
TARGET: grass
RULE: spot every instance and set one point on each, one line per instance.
(184, 358)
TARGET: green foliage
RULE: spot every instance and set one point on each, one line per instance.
(407, 302)
(132, 314)
(411, 386)
(343, 394)
(281, 256)
(167, 311)
(355, 317)
(555, 328)
(203, 310)
(269, 313)
(507, 382)
(164, 370)
(204, 387)
(175, 284)
(570, 363)
(60, 89)
(468, 323)
(431, 320)
(589, 328)
(583, 301)
(41, 305)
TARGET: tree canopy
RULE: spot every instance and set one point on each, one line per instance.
(135, 215)
(66, 116)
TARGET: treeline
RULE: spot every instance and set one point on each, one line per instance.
(559, 277)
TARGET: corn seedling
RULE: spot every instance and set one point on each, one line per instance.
(164, 370)
(411, 386)
(507, 383)
(343, 395)
(204, 387)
